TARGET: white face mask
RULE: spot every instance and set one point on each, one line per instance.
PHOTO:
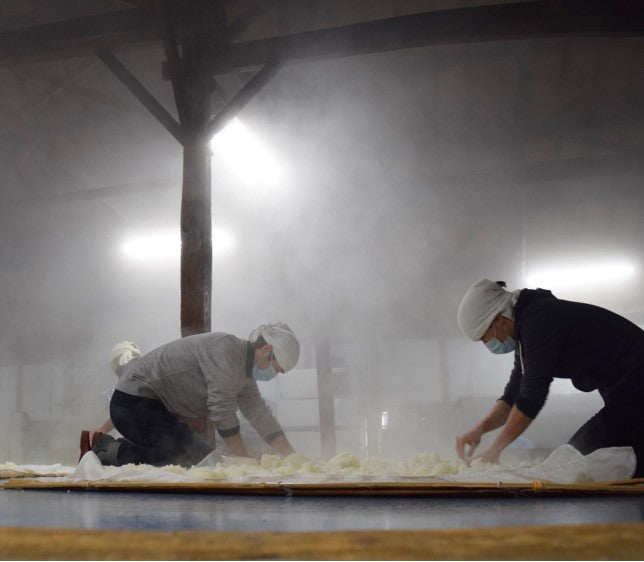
(506, 346)
(265, 374)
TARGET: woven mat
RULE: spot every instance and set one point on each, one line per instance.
(286, 488)
(620, 541)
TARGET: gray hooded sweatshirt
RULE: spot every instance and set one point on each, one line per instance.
(202, 375)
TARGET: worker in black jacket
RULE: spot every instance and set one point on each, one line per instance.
(593, 347)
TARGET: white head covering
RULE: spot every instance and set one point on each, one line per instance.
(281, 337)
(122, 353)
(481, 303)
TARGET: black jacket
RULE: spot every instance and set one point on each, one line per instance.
(595, 348)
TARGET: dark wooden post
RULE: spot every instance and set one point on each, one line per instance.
(196, 244)
(196, 227)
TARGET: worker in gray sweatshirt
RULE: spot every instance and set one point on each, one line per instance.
(211, 374)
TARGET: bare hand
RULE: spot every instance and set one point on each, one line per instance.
(471, 439)
(237, 445)
(489, 455)
(282, 445)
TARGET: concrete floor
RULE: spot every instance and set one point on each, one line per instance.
(189, 512)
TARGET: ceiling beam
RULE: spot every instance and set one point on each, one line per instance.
(111, 30)
(79, 36)
(174, 63)
(501, 22)
(252, 13)
(142, 94)
(241, 99)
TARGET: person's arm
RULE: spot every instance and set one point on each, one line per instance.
(543, 336)
(517, 423)
(511, 389)
(496, 418)
(259, 415)
(221, 364)
(237, 445)
(281, 444)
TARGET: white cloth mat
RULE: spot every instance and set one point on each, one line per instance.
(565, 465)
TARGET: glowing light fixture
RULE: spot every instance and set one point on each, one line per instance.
(583, 275)
(384, 420)
(245, 154)
(166, 246)
(152, 247)
(222, 241)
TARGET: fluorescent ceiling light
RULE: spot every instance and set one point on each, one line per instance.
(239, 149)
(583, 275)
(166, 246)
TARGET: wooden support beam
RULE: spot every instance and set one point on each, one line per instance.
(247, 17)
(173, 59)
(196, 221)
(502, 22)
(246, 94)
(141, 93)
(196, 240)
(79, 36)
(326, 397)
(84, 36)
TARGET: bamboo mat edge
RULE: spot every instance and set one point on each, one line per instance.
(615, 541)
(286, 488)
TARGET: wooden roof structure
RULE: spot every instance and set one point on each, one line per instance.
(203, 41)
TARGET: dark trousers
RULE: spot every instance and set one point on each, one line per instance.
(617, 424)
(152, 434)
